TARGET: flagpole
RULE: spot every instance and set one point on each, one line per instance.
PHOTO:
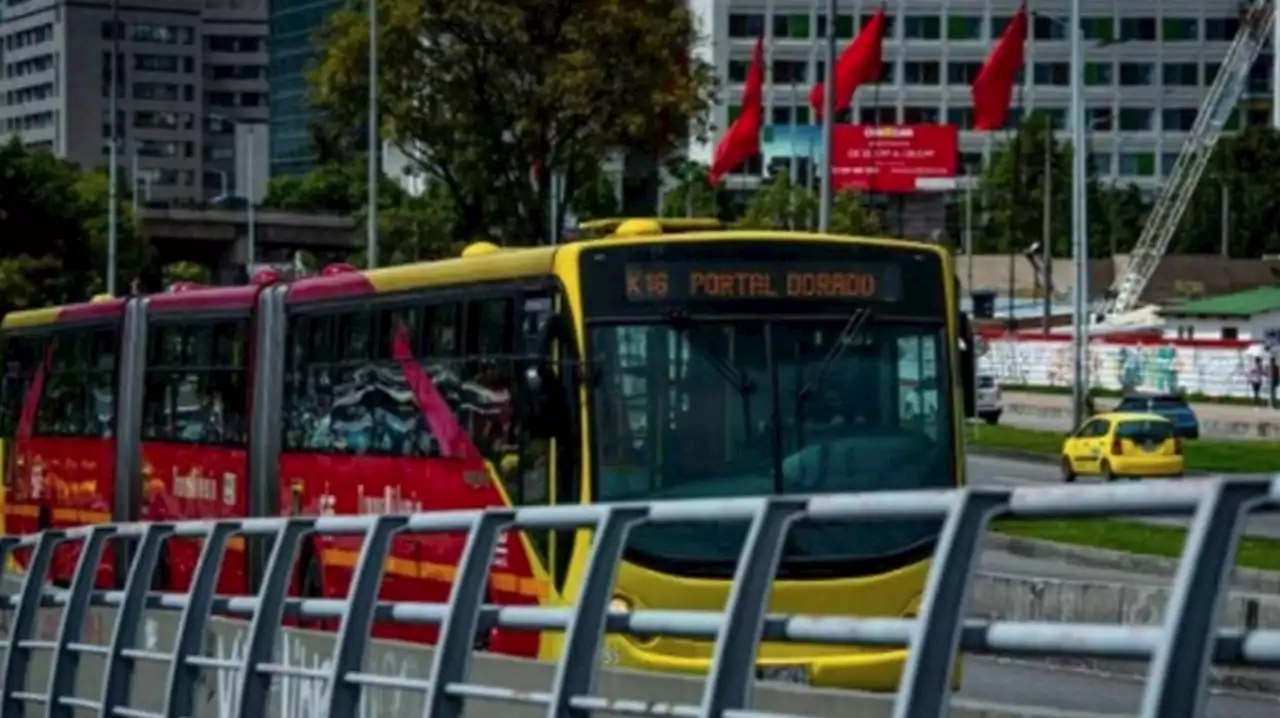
(1016, 194)
(766, 117)
(371, 241)
(113, 178)
(795, 164)
(828, 119)
(811, 170)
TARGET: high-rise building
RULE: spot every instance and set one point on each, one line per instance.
(188, 72)
(1148, 66)
(294, 24)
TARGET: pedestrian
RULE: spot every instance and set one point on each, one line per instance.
(1275, 379)
(1255, 379)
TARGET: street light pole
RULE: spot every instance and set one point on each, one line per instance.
(1046, 268)
(1079, 222)
(968, 230)
(113, 176)
(133, 185)
(372, 211)
(828, 120)
(251, 192)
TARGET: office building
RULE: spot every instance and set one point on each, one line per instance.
(294, 24)
(188, 73)
(1148, 67)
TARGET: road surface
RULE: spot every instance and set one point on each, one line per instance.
(1039, 423)
(1021, 684)
(985, 471)
(1051, 412)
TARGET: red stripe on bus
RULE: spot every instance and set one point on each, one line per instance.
(454, 441)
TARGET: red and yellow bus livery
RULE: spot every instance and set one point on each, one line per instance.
(651, 362)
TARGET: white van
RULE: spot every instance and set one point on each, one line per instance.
(990, 401)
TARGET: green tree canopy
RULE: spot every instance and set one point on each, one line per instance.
(53, 221)
(692, 194)
(1012, 189)
(480, 94)
(410, 228)
(1243, 177)
(596, 199)
(780, 205)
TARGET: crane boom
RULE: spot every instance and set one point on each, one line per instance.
(1181, 184)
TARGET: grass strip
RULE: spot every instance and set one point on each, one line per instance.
(1139, 538)
(1208, 455)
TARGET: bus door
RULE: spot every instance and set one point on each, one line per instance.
(26, 367)
(62, 462)
(194, 435)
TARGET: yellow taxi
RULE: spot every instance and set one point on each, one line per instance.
(1123, 445)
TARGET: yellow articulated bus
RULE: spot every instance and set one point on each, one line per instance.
(646, 360)
(730, 363)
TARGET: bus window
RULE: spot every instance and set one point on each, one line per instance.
(918, 384)
(79, 394)
(196, 390)
(22, 358)
(487, 382)
(443, 327)
(342, 396)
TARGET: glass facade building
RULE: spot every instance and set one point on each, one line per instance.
(293, 28)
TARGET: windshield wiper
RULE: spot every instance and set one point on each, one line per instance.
(738, 379)
(843, 341)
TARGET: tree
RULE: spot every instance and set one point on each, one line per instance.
(1125, 211)
(492, 98)
(780, 205)
(1012, 190)
(693, 195)
(849, 216)
(185, 272)
(337, 188)
(416, 229)
(1243, 175)
(596, 199)
(53, 221)
(410, 228)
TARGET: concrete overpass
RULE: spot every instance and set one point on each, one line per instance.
(218, 238)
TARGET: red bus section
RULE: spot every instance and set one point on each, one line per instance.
(370, 427)
(58, 397)
(195, 428)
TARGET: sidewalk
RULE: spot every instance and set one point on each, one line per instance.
(1216, 420)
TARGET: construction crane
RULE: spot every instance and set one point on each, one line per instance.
(1218, 105)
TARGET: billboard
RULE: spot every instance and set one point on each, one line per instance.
(894, 158)
(874, 158)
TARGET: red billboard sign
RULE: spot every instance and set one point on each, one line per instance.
(894, 158)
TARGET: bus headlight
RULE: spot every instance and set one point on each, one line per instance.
(622, 604)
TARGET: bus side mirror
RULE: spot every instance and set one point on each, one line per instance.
(540, 402)
(968, 367)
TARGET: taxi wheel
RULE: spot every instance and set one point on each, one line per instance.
(1068, 476)
(1106, 472)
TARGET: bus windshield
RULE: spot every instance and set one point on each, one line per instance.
(685, 410)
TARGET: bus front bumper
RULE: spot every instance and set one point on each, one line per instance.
(864, 670)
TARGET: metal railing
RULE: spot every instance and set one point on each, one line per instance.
(1179, 651)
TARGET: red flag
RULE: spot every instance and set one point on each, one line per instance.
(859, 65)
(993, 87)
(742, 141)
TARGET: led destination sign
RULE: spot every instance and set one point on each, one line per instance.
(726, 281)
